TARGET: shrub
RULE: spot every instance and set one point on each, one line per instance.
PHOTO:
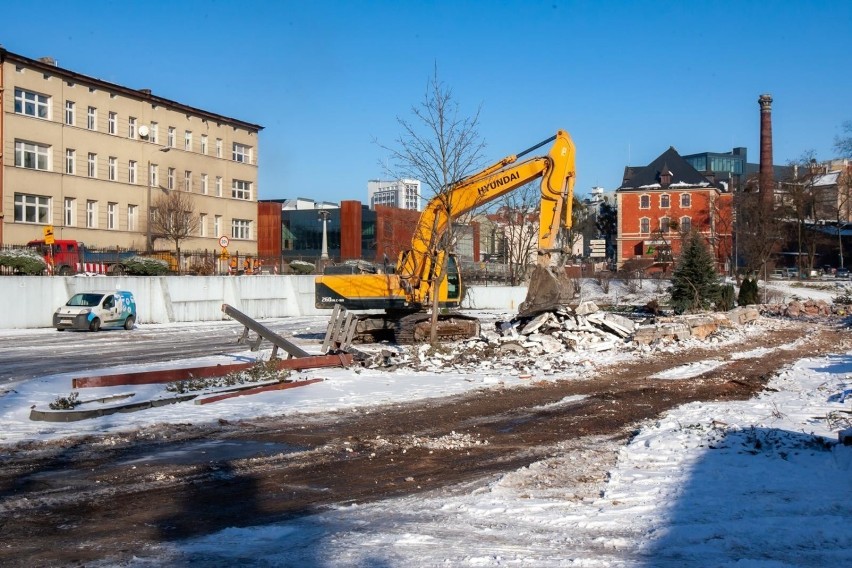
(302, 267)
(749, 294)
(24, 260)
(726, 298)
(65, 402)
(144, 266)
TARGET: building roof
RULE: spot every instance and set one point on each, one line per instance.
(649, 177)
(828, 179)
(49, 65)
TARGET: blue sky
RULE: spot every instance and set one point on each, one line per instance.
(328, 79)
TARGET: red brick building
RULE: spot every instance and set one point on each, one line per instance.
(661, 202)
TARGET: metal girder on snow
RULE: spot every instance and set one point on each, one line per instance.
(263, 332)
(171, 375)
(267, 388)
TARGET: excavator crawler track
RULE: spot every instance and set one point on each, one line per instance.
(417, 328)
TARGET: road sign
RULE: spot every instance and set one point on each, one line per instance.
(224, 241)
(224, 255)
(48, 235)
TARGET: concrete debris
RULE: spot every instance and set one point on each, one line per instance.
(564, 340)
(799, 308)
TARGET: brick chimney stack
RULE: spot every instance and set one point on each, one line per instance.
(765, 177)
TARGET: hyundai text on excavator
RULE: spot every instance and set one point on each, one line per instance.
(405, 292)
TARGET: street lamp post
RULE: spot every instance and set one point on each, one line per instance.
(149, 243)
(323, 216)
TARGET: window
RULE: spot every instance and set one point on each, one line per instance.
(112, 168)
(92, 118)
(218, 186)
(204, 184)
(202, 224)
(644, 202)
(32, 156)
(170, 181)
(171, 139)
(241, 189)
(132, 217)
(70, 113)
(187, 180)
(218, 147)
(685, 200)
(131, 127)
(644, 225)
(154, 175)
(32, 209)
(92, 163)
(155, 132)
(70, 212)
(686, 224)
(112, 216)
(217, 225)
(240, 229)
(187, 141)
(32, 104)
(111, 122)
(70, 161)
(91, 214)
(242, 153)
(665, 201)
(664, 225)
(204, 144)
(131, 171)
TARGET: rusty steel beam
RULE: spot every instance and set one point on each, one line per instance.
(172, 375)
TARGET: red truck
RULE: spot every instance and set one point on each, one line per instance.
(65, 258)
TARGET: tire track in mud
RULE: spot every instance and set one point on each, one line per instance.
(79, 501)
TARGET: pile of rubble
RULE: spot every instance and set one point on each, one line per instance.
(804, 308)
(560, 340)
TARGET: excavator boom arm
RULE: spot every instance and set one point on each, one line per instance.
(557, 171)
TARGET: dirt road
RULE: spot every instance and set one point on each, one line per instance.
(82, 500)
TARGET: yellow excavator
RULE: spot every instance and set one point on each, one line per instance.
(404, 292)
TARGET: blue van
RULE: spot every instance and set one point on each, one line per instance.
(94, 310)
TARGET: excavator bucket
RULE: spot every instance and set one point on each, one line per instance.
(547, 292)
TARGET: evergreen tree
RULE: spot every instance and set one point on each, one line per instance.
(749, 294)
(695, 284)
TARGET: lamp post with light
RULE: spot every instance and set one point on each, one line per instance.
(323, 218)
(149, 243)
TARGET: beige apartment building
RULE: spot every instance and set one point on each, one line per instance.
(88, 157)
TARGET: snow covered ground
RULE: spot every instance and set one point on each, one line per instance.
(756, 483)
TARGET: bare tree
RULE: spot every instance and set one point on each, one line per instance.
(582, 222)
(843, 214)
(518, 217)
(721, 231)
(843, 144)
(759, 231)
(173, 218)
(439, 146)
(806, 203)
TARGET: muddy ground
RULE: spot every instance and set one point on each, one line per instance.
(80, 501)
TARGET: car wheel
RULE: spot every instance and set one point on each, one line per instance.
(65, 271)
(128, 323)
(95, 325)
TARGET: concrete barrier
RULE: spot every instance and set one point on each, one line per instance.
(29, 301)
